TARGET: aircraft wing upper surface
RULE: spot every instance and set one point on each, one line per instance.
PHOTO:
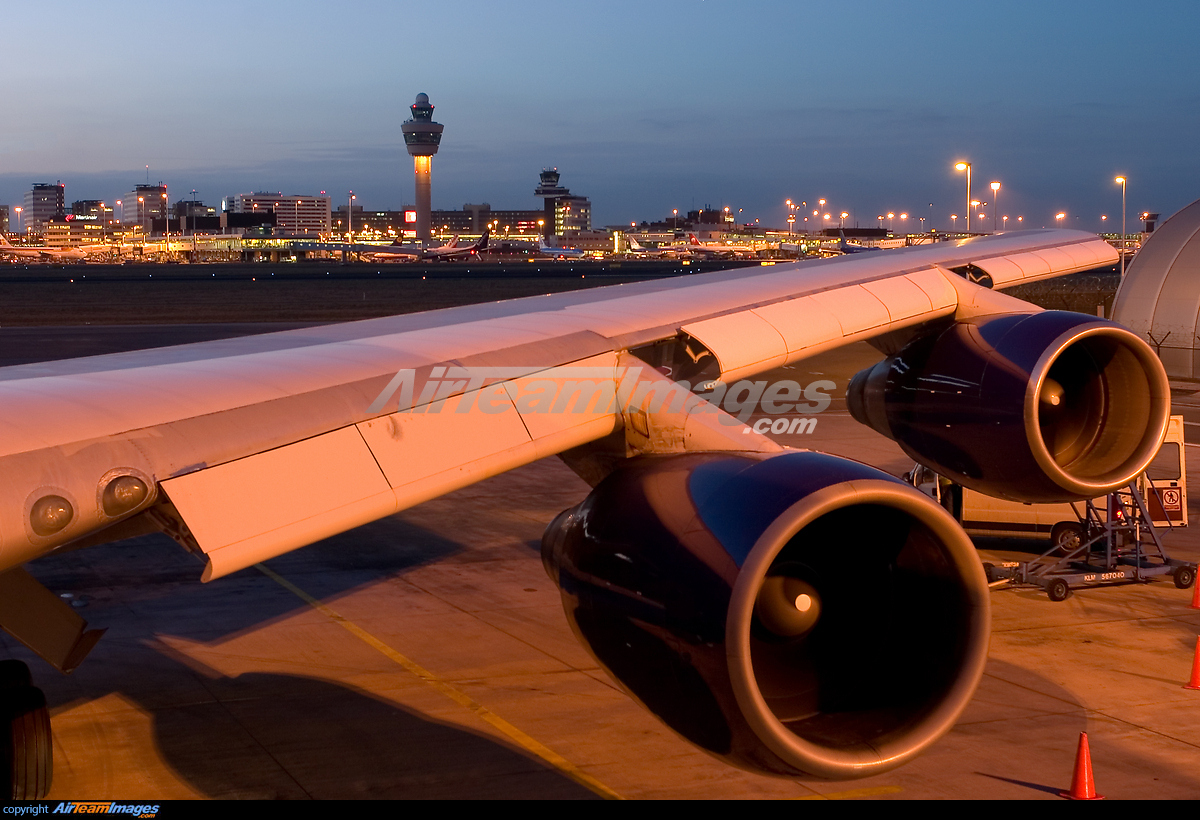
(243, 449)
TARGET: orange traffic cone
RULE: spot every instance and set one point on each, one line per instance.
(1196, 595)
(1083, 786)
(1194, 683)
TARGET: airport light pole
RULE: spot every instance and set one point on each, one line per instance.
(1122, 182)
(966, 166)
(995, 204)
(20, 226)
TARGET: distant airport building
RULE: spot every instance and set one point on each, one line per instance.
(562, 215)
(422, 136)
(93, 208)
(562, 212)
(3, 219)
(43, 202)
(473, 219)
(73, 229)
(295, 214)
(195, 217)
(143, 205)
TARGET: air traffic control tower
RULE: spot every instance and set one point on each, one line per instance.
(422, 136)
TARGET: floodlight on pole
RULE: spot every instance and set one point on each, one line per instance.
(995, 204)
(966, 166)
(1122, 182)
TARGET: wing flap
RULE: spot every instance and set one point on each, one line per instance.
(803, 323)
(741, 341)
(855, 307)
(258, 507)
(932, 282)
(1003, 270)
(900, 297)
(775, 334)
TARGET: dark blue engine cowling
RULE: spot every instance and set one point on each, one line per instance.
(1048, 406)
(791, 614)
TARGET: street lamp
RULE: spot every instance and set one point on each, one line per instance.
(1059, 217)
(995, 204)
(953, 221)
(966, 166)
(842, 220)
(1121, 181)
(20, 224)
(675, 215)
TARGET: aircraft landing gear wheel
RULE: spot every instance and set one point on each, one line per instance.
(1058, 590)
(1185, 577)
(26, 753)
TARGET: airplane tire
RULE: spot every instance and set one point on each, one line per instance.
(26, 751)
(13, 674)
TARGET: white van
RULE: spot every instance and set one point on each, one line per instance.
(1163, 485)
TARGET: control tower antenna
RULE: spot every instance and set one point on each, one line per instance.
(422, 136)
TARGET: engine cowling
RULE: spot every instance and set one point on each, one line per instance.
(1049, 406)
(791, 614)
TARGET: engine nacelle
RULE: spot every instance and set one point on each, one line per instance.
(791, 614)
(1049, 406)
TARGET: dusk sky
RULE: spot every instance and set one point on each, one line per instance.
(642, 106)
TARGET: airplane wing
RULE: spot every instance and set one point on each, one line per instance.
(246, 448)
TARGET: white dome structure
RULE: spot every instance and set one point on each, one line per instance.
(1160, 297)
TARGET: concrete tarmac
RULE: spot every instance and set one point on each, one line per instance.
(426, 655)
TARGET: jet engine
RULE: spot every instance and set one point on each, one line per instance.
(1048, 406)
(794, 613)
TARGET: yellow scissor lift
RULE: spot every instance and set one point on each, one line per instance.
(1118, 543)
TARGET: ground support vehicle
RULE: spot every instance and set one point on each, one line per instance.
(1118, 543)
